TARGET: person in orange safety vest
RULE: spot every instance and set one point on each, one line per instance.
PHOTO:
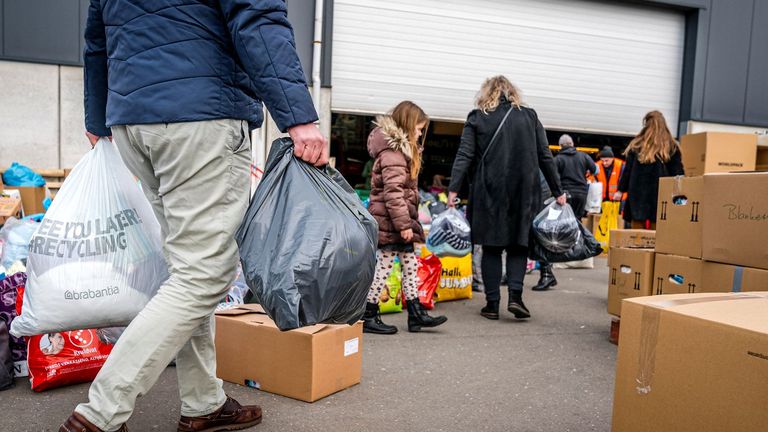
(609, 172)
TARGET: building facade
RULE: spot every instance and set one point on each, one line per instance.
(590, 66)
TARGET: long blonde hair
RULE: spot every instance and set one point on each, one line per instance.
(406, 116)
(493, 88)
(654, 142)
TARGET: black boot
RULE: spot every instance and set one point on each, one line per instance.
(372, 321)
(546, 279)
(491, 310)
(418, 317)
(516, 305)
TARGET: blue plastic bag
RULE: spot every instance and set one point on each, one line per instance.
(20, 175)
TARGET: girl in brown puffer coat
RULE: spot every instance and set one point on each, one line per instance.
(394, 202)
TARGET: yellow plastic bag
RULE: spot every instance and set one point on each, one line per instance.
(456, 278)
(609, 220)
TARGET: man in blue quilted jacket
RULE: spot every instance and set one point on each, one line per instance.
(179, 85)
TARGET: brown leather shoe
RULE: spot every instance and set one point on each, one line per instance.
(78, 423)
(230, 417)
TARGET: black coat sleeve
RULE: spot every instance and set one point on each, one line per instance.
(675, 165)
(95, 73)
(465, 156)
(546, 161)
(589, 165)
(626, 173)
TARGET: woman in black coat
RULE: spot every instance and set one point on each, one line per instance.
(505, 194)
(652, 154)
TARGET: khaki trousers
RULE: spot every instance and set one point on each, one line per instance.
(196, 176)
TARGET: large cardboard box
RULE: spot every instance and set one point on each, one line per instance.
(693, 363)
(32, 199)
(306, 364)
(714, 152)
(633, 238)
(674, 274)
(718, 277)
(736, 227)
(630, 275)
(680, 215)
(9, 207)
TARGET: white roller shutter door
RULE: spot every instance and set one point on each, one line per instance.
(583, 65)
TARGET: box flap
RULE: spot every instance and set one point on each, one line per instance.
(310, 329)
(243, 309)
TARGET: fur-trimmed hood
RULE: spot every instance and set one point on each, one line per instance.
(388, 136)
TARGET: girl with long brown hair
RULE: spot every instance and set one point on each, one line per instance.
(652, 154)
(396, 145)
(503, 148)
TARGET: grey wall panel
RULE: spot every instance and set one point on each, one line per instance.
(2, 28)
(42, 30)
(756, 110)
(83, 18)
(727, 60)
(301, 14)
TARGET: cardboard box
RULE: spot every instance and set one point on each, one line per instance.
(674, 274)
(32, 199)
(633, 239)
(9, 207)
(679, 216)
(630, 275)
(729, 278)
(736, 227)
(715, 152)
(306, 364)
(692, 363)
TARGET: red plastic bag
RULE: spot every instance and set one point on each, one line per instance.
(65, 358)
(60, 359)
(429, 272)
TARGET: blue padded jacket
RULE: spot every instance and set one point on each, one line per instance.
(165, 61)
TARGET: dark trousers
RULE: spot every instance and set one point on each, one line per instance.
(517, 258)
(578, 202)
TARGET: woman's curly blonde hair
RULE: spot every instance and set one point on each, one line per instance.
(489, 96)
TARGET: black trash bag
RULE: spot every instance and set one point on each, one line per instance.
(307, 244)
(586, 247)
(556, 228)
(6, 361)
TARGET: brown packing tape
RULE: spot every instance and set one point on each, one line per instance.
(649, 331)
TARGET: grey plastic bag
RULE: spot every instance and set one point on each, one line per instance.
(307, 244)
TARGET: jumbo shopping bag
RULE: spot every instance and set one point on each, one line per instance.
(307, 244)
(96, 258)
(455, 277)
(391, 299)
(609, 220)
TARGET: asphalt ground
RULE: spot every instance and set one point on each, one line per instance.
(553, 372)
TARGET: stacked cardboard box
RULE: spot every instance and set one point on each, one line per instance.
(711, 227)
(630, 261)
(693, 362)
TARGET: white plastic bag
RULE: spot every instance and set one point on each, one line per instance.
(96, 259)
(594, 198)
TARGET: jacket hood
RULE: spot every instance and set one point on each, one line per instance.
(568, 151)
(388, 136)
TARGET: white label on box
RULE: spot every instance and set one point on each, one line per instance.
(351, 346)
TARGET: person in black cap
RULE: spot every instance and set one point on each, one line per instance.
(609, 172)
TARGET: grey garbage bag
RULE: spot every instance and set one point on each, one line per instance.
(307, 244)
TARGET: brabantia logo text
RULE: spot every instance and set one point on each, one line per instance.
(91, 294)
